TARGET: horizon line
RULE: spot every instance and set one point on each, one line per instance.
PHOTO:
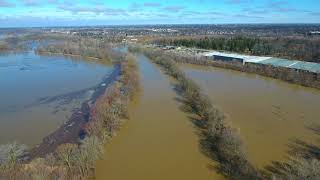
(160, 24)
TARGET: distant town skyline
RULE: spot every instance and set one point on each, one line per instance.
(33, 13)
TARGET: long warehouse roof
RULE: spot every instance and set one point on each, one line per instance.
(302, 65)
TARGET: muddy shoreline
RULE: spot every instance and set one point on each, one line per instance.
(72, 130)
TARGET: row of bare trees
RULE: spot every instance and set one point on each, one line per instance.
(218, 140)
(11, 45)
(223, 144)
(82, 47)
(4, 47)
(77, 160)
(304, 78)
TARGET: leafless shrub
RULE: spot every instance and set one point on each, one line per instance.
(89, 152)
(64, 154)
(219, 141)
(10, 155)
(77, 161)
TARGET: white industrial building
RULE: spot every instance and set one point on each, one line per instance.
(277, 62)
(235, 57)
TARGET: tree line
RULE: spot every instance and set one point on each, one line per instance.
(222, 143)
(299, 49)
(82, 47)
(219, 141)
(304, 78)
(13, 44)
(77, 160)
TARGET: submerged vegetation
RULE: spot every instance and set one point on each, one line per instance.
(222, 143)
(8, 45)
(25, 41)
(4, 47)
(303, 162)
(304, 78)
(77, 160)
(82, 47)
(218, 140)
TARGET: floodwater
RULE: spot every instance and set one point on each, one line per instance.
(269, 113)
(158, 141)
(39, 93)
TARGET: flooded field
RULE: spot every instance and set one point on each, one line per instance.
(158, 141)
(39, 93)
(268, 113)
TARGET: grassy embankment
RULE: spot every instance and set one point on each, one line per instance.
(77, 160)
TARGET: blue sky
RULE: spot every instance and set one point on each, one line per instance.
(26, 13)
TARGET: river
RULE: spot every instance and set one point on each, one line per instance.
(268, 113)
(39, 93)
(158, 141)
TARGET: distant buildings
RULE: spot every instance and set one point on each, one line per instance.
(313, 33)
(276, 62)
(222, 56)
(62, 31)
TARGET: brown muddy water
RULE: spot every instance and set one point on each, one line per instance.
(158, 141)
(39, 93)
(269, 113)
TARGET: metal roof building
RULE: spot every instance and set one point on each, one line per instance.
(277, 62)
(243, 58)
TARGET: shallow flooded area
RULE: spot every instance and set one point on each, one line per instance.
(268, 113)
(39, 93)
(158, 141)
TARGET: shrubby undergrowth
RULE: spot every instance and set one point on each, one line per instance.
(218, 140)
(77, 160)
(222, 143)
(304, 78)
(10, 156)
(12, 45)
(4, 47)
(82, 47)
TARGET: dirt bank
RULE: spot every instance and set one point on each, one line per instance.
(71, 131)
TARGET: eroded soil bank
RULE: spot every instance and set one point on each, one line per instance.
(72, 130)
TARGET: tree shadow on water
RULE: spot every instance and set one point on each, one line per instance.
(220, 163)
(303, 161)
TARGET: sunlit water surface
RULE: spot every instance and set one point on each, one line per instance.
(158, 141)
(39, 93)
(269, 113)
